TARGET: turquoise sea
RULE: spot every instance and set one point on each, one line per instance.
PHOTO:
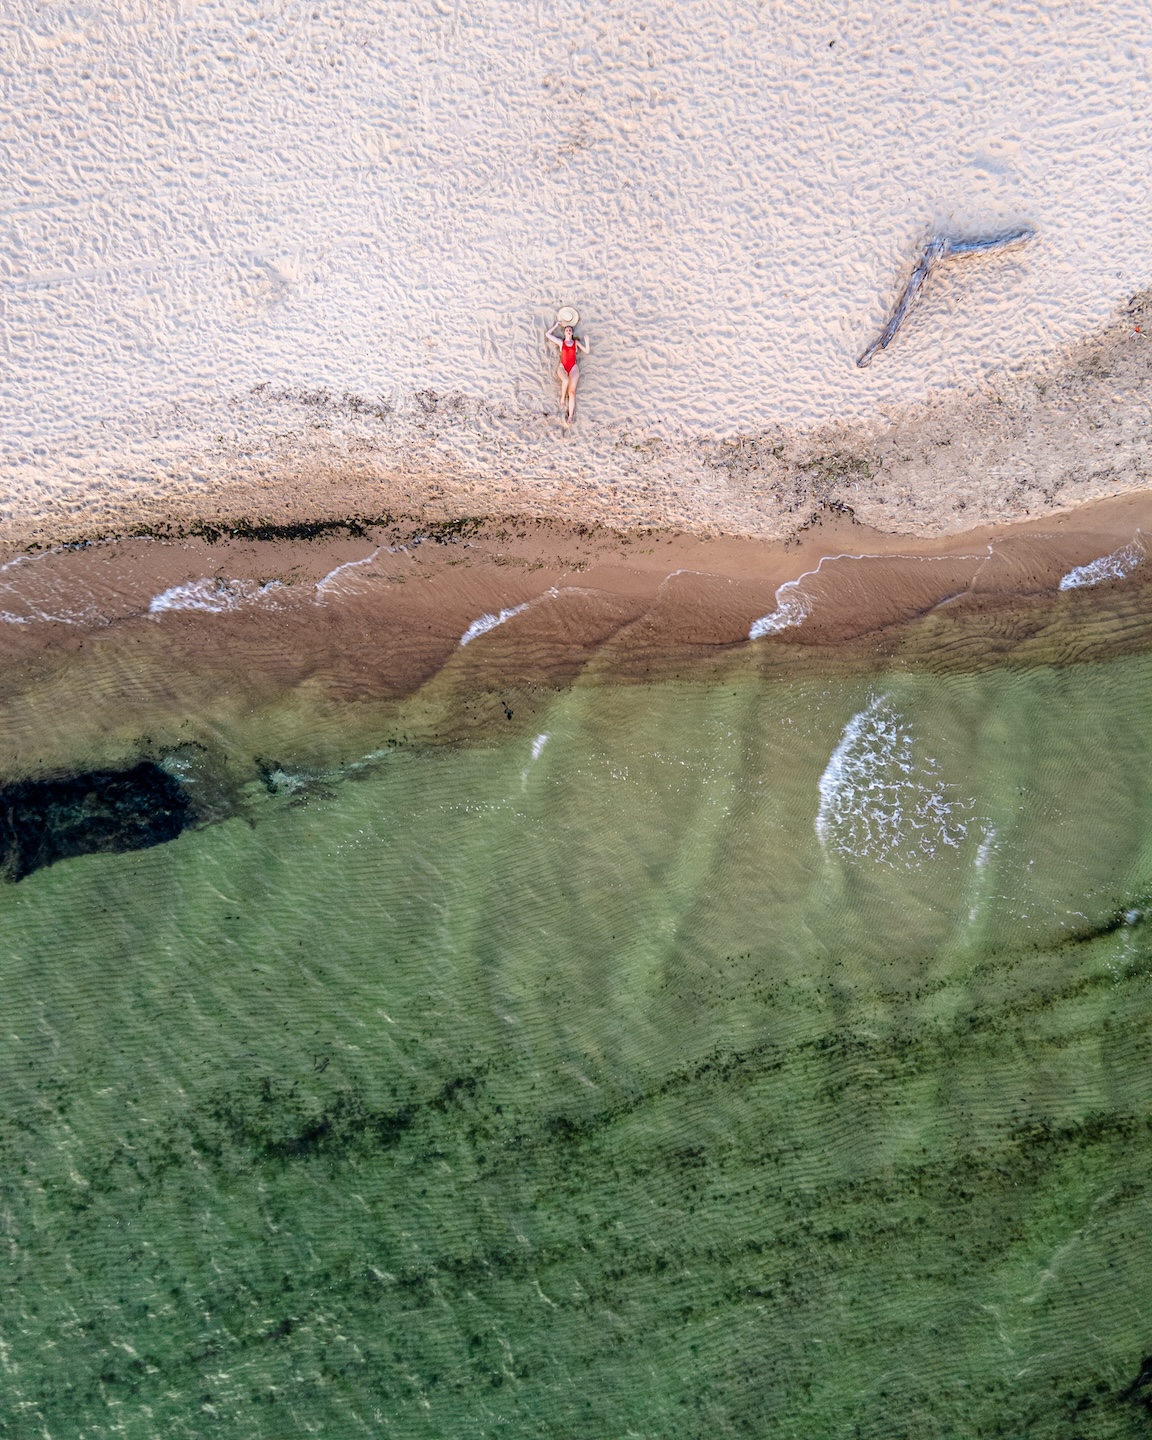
(761, 1050)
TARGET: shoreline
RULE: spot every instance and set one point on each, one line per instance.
(313, 650)
(1034, 444)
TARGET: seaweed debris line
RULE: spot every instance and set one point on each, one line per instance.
(938, 248)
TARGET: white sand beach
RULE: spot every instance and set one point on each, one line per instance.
(293, 250)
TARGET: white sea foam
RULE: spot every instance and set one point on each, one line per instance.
(27, 608)
(793, 605)
(211, 595)
(792, 608)
(332, 582)
(489, 622)
(878, 801)
(1117, 566)
(795, 601)
(9, 618)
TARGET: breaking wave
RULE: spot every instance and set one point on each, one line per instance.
(1117, 566)
(878, 801)
(793, 603)
(489, 622)
(211, 595)
(332, 583)
(20, 604)
(792, 608)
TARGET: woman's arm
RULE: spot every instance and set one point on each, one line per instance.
(581, 344)
(551, 335)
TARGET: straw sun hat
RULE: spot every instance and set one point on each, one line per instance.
(567, 316)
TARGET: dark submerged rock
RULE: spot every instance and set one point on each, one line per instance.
(100, 811)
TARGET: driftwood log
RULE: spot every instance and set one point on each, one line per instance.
(938, 248)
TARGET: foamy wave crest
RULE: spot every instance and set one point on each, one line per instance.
(792, 608)
(211, 595)
(337, 580)
(793, 605)
(878, 801)
(20, 604)
(1117, 566)
(489, 622)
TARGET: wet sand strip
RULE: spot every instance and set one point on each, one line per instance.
(260, 650)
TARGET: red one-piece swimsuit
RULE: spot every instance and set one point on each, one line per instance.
(568, 356)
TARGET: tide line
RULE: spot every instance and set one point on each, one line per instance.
(793, 608)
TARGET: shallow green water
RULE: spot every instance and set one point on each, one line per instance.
(758, 1058)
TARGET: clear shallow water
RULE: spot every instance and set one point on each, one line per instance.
(751, 1058)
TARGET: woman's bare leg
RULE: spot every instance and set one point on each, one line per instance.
(570, 388)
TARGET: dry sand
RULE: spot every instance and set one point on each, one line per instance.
(290, 260)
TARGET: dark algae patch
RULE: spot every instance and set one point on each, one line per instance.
(572, 1086)
(99, 811)
(274, 1125)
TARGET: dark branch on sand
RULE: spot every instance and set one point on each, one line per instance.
(937, 249)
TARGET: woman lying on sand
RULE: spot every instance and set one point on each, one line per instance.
(568, 371)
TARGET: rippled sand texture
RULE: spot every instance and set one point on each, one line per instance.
(390, 200)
